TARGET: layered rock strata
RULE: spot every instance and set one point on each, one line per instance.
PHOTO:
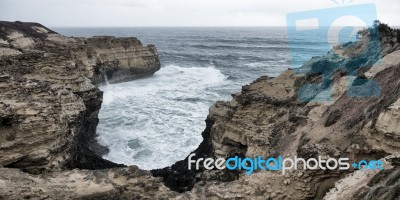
(49, 100)
(49, 113)
(266, 118)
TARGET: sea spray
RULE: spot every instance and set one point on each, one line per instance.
(158, 118)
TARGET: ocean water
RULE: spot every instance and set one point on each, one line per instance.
(156, 121)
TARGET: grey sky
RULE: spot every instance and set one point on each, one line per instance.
(175, 12)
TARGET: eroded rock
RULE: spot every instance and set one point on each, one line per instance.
(48, 116)
(49, 100)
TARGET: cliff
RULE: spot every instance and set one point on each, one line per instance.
(49, 100)
(267, 118)
(102, 57)
(49, 113)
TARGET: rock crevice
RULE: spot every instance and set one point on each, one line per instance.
(50, 102)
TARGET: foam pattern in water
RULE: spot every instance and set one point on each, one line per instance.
(157, 121)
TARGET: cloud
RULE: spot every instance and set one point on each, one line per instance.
(174, 12)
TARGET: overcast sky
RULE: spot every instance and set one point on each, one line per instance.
(76, 13)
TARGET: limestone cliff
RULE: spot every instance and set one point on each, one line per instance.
(49, 100)
(49, 108)
(266, 118)
(121, 59)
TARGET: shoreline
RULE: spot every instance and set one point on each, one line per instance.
(58, 75)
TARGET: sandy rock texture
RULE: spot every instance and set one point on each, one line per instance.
(49, 104)
(49, 99)
(267, 118)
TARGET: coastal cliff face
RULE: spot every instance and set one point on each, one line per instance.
(266, 118)
(49, 100)
(121, 59)
(48, 116)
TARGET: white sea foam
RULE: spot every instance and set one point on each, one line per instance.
(154, 122)
(163, 116)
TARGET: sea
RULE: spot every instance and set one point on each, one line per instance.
(154, 122)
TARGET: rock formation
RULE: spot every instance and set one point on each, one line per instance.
(49, 105)
(49, 100)
(266, 118)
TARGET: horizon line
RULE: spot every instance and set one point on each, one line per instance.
(244, 26)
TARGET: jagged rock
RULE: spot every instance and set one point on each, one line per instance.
(49, 107)
(49, 100)
(267, 119)
(118, 183)
(369, 184)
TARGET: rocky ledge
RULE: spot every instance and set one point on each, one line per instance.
(268, 119)
(49, 105)
(104, 58)
(49, 100)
